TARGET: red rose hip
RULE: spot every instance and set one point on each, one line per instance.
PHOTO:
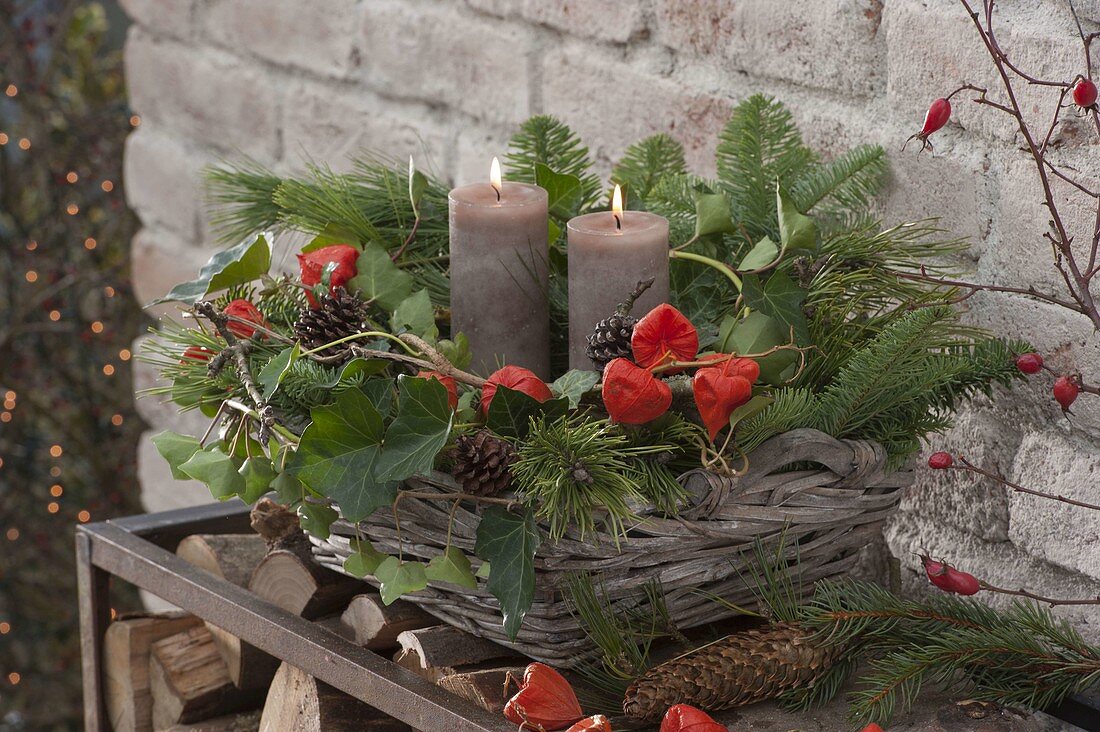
(940, 460)
(939, 112)
(243, 310)
(1084, 93)
(1029, 363)
(1065, 391)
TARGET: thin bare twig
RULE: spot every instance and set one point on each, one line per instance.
(968, 467)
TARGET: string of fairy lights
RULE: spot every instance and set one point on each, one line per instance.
(13, 406)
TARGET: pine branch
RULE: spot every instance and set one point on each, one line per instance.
(544, 139)
(645, 163)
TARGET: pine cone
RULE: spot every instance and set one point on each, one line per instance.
(740, 669)
(482, 463)
(610, 340)
(336, 316)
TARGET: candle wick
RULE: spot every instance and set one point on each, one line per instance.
(618, 222)
(497, 191)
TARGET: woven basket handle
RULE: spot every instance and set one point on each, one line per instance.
(855, 463)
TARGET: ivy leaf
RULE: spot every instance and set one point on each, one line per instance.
(381, 395)
(353, 369)
(510, 411)
(288, 489)
(553, 232)
(234, 266)
(275, 370)
(574, 384)
(755, 334)
(399, 578)
(796, 230)
(379, 279)
(509, 541)
(780, 298)
(712, 214)
(258, 474)
(564, 191)
(419, 432)
(332, 234)
(365, 559)
(176, 449)
(418, 183)
(483, 571)
(218, 471)
(750, 408)
(317, 518)
(451, 566)
(457, 350)
(761, 255)
(338, 452)
(415, 315)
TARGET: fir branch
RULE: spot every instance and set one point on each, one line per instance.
(544, 139)
(843, 185)
(645, 163)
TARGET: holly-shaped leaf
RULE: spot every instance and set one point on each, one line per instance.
(712, 214)
(399, 578)
(379, 279)
(574, 384)
(419, 432)
(415, 315)
(757, 333)
(275, 370)
(796, 230)
(781, 298)
(176, 449)
(316, 518)
(364, 560)
(761, 255)
(338, 452)
(509, 540)
(235, 266)
(451, 566)
(258, 474)
(218, 471)
(564, 192)
(511, 411)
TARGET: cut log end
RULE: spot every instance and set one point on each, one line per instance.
(301, 586)
(297, 702)
(370, 623)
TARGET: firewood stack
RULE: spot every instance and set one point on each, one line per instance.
(172, 671)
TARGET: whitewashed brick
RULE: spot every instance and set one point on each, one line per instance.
(1066, 535)
(163, 181)
(160, 260)
(318, 35)
(443, 55)
(617, 21)
(330, 123)
(474, 152)
(221, 100)
(999, 563)
(634, 103)
(174, 18)
(823, 43)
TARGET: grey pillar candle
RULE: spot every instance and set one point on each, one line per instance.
(609, 253)
(500, 274)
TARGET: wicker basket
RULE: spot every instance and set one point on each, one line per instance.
(830, 510)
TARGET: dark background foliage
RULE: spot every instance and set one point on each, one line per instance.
(67, 318)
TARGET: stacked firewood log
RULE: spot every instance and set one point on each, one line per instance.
(172, 671)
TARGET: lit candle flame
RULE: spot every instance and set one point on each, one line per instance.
(494, 178)
(617, 207)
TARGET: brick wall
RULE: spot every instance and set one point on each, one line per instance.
(448, 80)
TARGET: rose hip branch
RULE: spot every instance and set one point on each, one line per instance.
(1076, 268)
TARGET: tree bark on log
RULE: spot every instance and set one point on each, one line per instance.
(234, 558)
(126, 666)
(297, 702)
(371, 624)
(189, 681)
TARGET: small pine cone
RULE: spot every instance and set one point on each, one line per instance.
(740, 669)
(482, 463)
(610, 340)
(336, 316)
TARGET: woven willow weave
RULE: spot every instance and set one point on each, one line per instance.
(830, 510)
